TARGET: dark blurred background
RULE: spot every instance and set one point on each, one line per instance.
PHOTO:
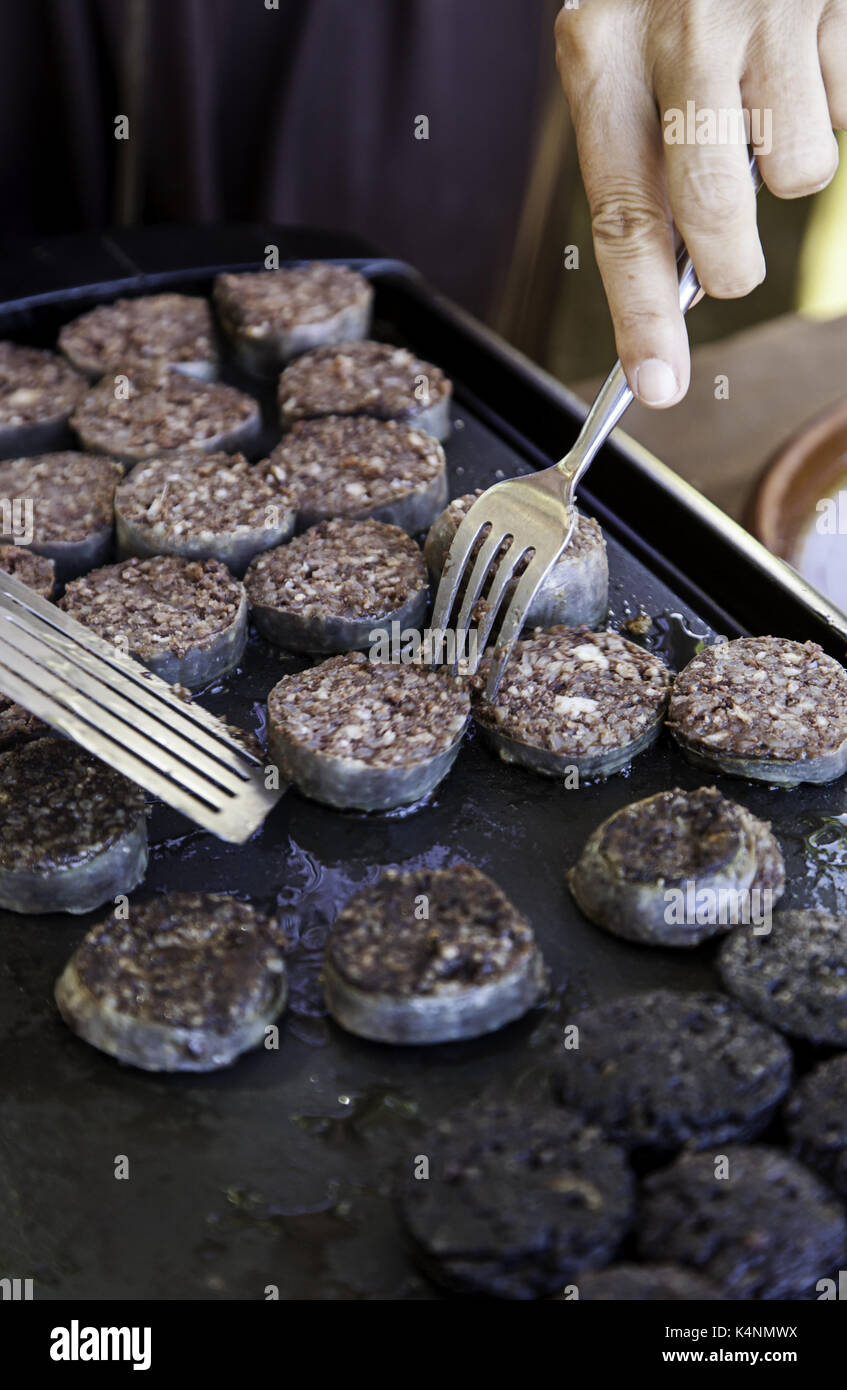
(306, 111)
(303, 113)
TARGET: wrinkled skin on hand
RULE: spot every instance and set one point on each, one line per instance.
(626, 67)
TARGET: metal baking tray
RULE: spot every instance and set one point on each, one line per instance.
(277, 1171)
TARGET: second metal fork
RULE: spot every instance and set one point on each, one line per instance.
(532, 516)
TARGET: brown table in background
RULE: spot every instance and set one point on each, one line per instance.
(781, 374)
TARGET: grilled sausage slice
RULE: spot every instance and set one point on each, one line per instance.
(518, 1200)
(73, 832)
(765, 708)
(361, 468)
(795, 976)
(270, 316)
(38, 393)
(176, 329)
(338, 586)
(142, 413)
(660, 1070)
(668, 842)
(770, 1232)
(184, 982)
(429, 956)
(366, 378)
(73, 507)
(202, 507)
(184, 619)
(366, 735)
(571, 698)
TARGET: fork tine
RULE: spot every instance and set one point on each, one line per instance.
(121, 712)
(493, 603)
(90, 725)
(454, 568)
(528, 585)
(114, 668)
(478, 575)
(83, 695)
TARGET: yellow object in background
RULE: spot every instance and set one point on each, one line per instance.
(822, 274)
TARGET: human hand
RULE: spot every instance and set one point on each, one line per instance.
(645, 81)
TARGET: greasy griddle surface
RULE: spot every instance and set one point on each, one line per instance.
(276, 1171)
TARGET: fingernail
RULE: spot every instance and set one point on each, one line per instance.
(655, 382)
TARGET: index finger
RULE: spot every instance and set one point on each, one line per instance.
(622, 160)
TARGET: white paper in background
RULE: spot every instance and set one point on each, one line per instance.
(821, 556)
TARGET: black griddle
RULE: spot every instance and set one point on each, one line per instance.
(277, 1171)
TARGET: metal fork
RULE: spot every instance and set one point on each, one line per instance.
(117, 709)
(537, 515)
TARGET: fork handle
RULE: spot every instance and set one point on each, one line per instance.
(615, 395)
